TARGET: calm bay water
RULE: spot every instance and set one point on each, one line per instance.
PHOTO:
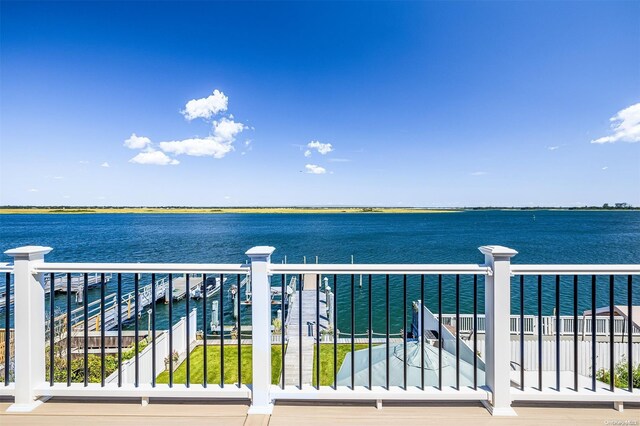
(539, 237)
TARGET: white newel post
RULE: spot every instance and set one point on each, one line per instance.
(29, 326)
(497, 298)
(261, 402)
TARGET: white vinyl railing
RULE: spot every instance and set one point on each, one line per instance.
(548, 325)
(497, 324)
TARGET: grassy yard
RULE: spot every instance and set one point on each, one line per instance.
(326, 361)
(230, 366)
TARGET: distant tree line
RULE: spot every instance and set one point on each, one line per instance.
(605, 206)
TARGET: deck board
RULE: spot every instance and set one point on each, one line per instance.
(68, 413)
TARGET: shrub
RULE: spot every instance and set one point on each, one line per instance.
(621, 375)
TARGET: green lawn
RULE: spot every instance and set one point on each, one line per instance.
(230, 366)
(326, 361)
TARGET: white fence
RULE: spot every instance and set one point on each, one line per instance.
(145, 358)
(620, 351)
(548, 325)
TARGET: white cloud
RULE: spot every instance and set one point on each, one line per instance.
(625, 126)
(206, 107)
(227, 129)
(307, 153)
(105, 164)
(322, 148)
(219, 144)
(227, 197)
(315, 170)
(198, 147)
(137, 142)
(58, 177)
(553, 148)
(154, 157)
(478, 173)
(33, 190)
(247, 146)
(83, 162)
(605, 167)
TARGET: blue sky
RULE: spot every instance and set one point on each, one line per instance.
(423, 104)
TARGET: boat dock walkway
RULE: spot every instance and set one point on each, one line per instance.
(292, 355)
(94, 310)
(61, 284)
(180, 286)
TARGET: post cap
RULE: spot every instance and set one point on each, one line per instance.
(497, 251)
(28, 252)
(260, 252)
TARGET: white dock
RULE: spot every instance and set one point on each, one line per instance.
(292, 355)
(180, 286)
(128, 310)
(60, 284)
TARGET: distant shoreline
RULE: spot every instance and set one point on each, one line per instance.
(277, 210)
(220, 210)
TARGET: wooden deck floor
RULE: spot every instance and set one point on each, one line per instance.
(77, 412)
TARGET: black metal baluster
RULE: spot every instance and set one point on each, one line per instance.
(204, 330)
(475, 332)
(136, 291)
(521, 332)
(353, 327)
(282, 317)
(440, 340)
(404, 330)
(388, 318)
(153, 330)
(103, 370)
(68, 329)
(335, 332)
(300, 330)
(85, 295)
(593, 332)
(612, 383)
(188, 327)
(170, 301)
(370, 334)
(540, 337)
(318, 330)
(575, 332)
(630, 331)
(7, 325)
(239, 282)
(52, 327)
(457, 332)
(119, 307)
(558, 332)
(421, 332)
(221, 316)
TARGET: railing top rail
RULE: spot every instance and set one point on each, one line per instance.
(6, 267)
(630, 269)
(162, 268)
(379, 269)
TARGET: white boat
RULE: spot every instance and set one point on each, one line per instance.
(211, 288)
